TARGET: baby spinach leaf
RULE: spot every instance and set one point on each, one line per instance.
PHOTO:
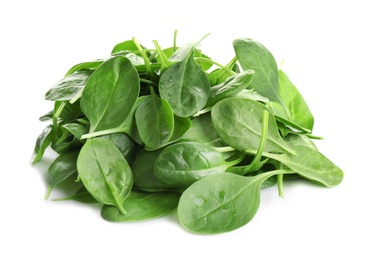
(62, 167)
(110, 94)
(154, 113)
(253, 55)
(230, 87)
(299, 111)
(143, 205)
(43, 141)
(181, 164)
(238, 122)
(185, 86)
(105, 172)
(309, 163)
(69, 86)
(221, 202)
(76, 129)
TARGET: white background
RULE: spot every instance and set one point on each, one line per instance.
(322, 43)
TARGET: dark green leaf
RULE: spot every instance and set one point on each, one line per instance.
(43, 141)
(62, 167)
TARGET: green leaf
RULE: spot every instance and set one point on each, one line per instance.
(230, 87)
(61, 168)
(222, 202)
(154, 113)
(185, 86)
(253, 55)
(238, 122)
(181, 164)
(142, 205)
(43, 141)
(299, 111)
(105, 172)
(68, 87)
(308, 162)
(110, 94)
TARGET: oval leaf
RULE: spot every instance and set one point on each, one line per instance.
(185, 86)
(182, 164)
(221, 202)
(110, 94)
(105, 172)
(155, 121)
(238, 122)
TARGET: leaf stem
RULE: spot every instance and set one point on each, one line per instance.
(145, 58)
(48, 193)
(224, 149)
(148, 81)
(175, 37)
(280, 185)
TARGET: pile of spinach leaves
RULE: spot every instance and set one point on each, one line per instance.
(146, 131)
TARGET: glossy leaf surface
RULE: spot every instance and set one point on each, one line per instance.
(105, 172)
(110, 94)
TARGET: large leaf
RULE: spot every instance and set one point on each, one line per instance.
(110, 94)
(238, 122)
(253, 55)
(221, 202)
(105, 172)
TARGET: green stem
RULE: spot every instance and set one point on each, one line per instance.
(145, 58)
(76, 97)
(165, 62)
(316, 137)
(48, 193)
(60, 109)
(280, 185)
(175, 37)
(265, 126)
(210, 61)
(224, 149)
(102, 132)
(148, 82)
